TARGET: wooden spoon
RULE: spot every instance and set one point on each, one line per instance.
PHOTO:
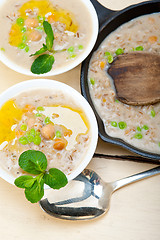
(136, 77)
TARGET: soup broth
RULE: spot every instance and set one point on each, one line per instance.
(43, 120)
(22, 32)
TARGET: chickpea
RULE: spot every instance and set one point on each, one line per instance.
(31, 122)
(48, 131)
(31, 23)
(35, 36)
(59, 144)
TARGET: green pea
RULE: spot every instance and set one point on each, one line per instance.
(138, 136)
(70, 49)
(107, 54)
(41, 19)
(37, 140)
(40, 28)
(122, 125)
(23, 29)
(27, 48)
(58, 134)
(80, 47)
(114, 124)
(47, 120)
(119, 51)
(38, 115)
(40, 108)
(23, 127)
(92, 81)
(153, 113)
(139, 48)
(30, 138)
(73, 55)
(110, 59)
(159, 144)
(139, 129)
(33, 132)
(20, 21)
(116, 100)
(23, 140)
(145, 127)
(21, 45)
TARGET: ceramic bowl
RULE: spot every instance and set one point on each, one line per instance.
(80, 101)
(66, 67)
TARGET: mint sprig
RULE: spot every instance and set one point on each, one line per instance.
(35, 162)
(44, 63)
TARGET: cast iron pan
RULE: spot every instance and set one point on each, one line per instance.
(108, 22)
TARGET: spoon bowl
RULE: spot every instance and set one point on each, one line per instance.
(87, 196)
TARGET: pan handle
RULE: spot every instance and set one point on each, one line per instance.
(103, 13)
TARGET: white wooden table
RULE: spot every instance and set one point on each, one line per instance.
(134, 212)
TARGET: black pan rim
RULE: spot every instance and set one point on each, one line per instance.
(84, 83)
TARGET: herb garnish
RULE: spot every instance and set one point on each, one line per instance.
(43, 63)
(35, 162)
(50, 37)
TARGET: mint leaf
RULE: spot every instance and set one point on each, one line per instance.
(42, 50)
(24, 181)
(36, 191)
(56, 179)
(50, 36)
(33, 161)
(42, 64)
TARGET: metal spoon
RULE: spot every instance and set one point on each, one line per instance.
(87, 196)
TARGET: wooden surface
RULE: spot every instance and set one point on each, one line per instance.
(134, 212)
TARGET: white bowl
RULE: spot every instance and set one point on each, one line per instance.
(80, 100)
(94, 19)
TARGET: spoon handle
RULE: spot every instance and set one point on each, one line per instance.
(134, 178)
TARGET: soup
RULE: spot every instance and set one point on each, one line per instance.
(22, 30)
(45, 120)
(137, 125)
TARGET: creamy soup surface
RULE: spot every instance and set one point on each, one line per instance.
(47, 121)
(137, 125)
(22, 32)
